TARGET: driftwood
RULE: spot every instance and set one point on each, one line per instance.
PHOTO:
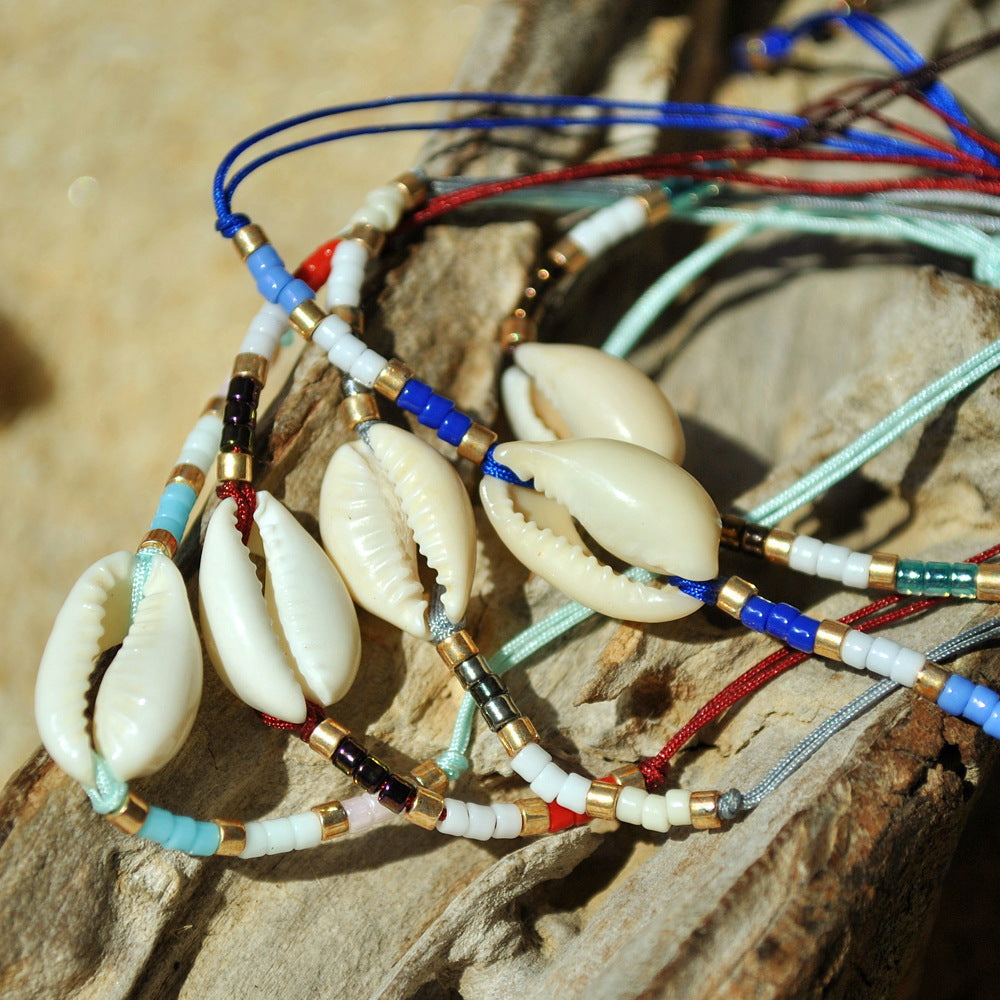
(825, 890)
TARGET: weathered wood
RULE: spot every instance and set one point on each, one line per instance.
(823, 891)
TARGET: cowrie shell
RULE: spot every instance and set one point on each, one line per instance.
(149, 694)
(636, 504)
(557, 391)
(378, 504)
(299, 633)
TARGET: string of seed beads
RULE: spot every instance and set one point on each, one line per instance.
(834, 640)
(878, 571)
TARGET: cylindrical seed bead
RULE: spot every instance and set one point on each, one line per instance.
(981, 704)
(237, 438)
(963, 580)
(678, 806)
(530, 761)
(486, 689)
(733, 595)
(232, 838)
(247, 239)
(534, 817)
(568, 255)
(955, 695)
(628, 774)
(476, 442)
(882, 572)
(881, 656)
(482, 822)
(516, 735)
(778, 546)
(629, 806)
(431, 775)
(333, 819)
(988, 582)
(369, 236)
(930, 681)
(549, 781)
(160, 539)
(189, 474)
(804, 554)
(499, 712)
(325, 738)
(234, 466)
(413, 187)
(455, 648)
(906, 667)
(753, 539)
(305, 318)
(854, 649)
(392, 379)
(359, 408)
(348, 756)
(909, 576)
(856, 570)
(371, 774)
(732, 531)
(249, 365)
(602, 797)
(426, 808)
(516, 330)
(655, 814)
(830, 639)
(395, 794)
(705, 810)
(573, 794)
(832, 561)
(455, 820)
(472, 670)
(509, 821)
(655, 204)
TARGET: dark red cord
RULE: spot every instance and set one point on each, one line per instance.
(246, 503)
(314, 716)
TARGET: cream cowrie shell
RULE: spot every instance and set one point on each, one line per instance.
(299, 634)
(641, 507)
(557, 391)
(378, 504)
(148, 697)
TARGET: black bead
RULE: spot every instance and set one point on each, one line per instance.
(348, 756)
(487, 689)
(239, 413)
(732, 531)
(396, 794)
(371, 774)
(244, 389)
(236, 438)
(499, 712)
(754, 536)
(472, 671)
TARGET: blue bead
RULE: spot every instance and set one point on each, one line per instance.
(182, 836)
(435, 410)
(992, 725)
(159, 823)
(802, 633)
(980, 705)
(955, 695)
(453, 427)
(414, 396)
(206, 839)
(779, 621)
(755, 613)
(268, 270)
(294, 294)
(175, 506)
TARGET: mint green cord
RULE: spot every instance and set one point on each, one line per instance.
(955, 239)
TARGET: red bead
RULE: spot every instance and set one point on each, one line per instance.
(315, 269)
(561, 818)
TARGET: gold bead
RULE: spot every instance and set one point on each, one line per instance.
(882, 572)
(189, 474)
(333, 819)
(705, 811)
(234, 465)
(516, 735)
(161, 540)
(568, 255)
(534, 817)
(628, 774)
(130, 817)
(370, 237)
(413, 186)
(431, 775)
(392, 378)
(248, 239)
(988, 582)
(734, 594)
(215, 407)
(476, 441)
(516, 330)
(305, 317)
(250, 365)
(830, 639)
(426, 809)
(656, 203)
(351, 315)
(359, 408)
(930, 681)
(778, 546)
(457, 648)
(326, 736)
(232, 837)
(602, 799)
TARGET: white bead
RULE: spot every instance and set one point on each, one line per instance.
(630, 804)
(347, 274)
(456, 820)
(280, 835)
(508, 821)
(678, 806)
(854, 649)
(367, 367)
(906, 666)
(549, 783)
(330, 330)
(881, 656)
(256, 846)
(370, 215)
(831, 562)
(655, 814)
(265, 331)
(202, 444)
(389, 200)
(482, 822)
(804, 554)
(574, 794)
(345, 352)
(530, 761)
(307, 829)
(856, 570)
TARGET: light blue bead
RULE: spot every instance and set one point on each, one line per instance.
(182, 836)
(294, 294)
(980, 705)
(268, 271)
(955, 694)
(159, 823)
(175, 506)
(206, 840)
(992, 725)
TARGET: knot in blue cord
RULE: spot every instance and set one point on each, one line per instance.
(706, 591)
(110, 794)
(491, 467)
(229, 225)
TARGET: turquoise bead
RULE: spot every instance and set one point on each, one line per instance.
(963, 580)
(937, 579)
(909, 576)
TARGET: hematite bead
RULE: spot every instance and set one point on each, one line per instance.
(348, 756)
(238, 437)
(499, 712)
(238, 412)
(396, 794)
(487, 689)
(244, 389)
(371, 774)
(472, 671)
(732, 531)
(754, 536)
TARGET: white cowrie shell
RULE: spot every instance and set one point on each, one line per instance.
(379, 503)
(299, 634)
(149, 694)
(557, 391)
(638, 505)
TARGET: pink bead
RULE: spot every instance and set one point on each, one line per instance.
(361, 812)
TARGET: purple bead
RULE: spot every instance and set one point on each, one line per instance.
(956, 694)
(802, 633)
(755, 613)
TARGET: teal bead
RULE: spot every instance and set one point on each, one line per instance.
(158, 826)
(937, 579)
(909, 577)
(963, 580)
(182, 835)
(206, 839)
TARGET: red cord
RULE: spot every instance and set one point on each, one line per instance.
(314, 716)
(246, 503)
